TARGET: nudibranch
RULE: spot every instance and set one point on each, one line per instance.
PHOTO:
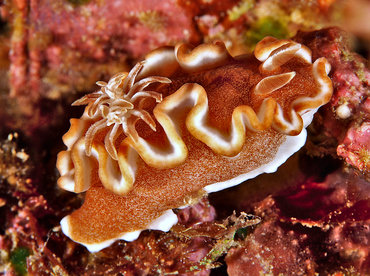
(182, 123)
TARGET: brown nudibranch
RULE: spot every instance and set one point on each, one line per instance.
(184, 122)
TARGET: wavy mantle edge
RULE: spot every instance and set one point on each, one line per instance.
(164, 223)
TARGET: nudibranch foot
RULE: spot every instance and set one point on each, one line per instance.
(184, 122)
(162, 223)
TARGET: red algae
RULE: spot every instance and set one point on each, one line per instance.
(92, 34)
(355, 147)
(346, 117)
(315, 227)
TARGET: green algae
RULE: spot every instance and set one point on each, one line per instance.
(18, 259)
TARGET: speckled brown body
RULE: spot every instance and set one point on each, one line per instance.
(148, 200)
(201, 118)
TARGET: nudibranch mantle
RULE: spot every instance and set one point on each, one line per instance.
(183, 123)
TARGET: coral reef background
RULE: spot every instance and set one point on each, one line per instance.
(313, 213)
